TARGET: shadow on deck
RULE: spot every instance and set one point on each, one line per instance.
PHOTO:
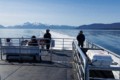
(59, 69)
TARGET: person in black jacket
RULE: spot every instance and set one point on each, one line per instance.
(47, 37)
(81, 39)
(33, 41)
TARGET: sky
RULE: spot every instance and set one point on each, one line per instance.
(59, 12)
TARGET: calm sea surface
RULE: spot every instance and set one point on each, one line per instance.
(109, 39)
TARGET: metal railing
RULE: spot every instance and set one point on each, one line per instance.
(80, 62)
(59, 43)
(82, 66)
(63, 43)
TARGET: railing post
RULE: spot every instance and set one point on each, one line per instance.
(1, 48)
(1, 52)
(86, 72)
(20, 49)
(119, 71)
(0, 77)
(63, 44)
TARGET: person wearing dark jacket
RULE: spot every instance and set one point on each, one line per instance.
(33, 41)
(47, 37)
(81, 39)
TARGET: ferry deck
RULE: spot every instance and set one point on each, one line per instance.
(64, 61)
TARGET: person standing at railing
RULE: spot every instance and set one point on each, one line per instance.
(8, 42)
(47, 37)
(80, 38)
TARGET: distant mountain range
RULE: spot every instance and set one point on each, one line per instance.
(28, 25)
(113, 26)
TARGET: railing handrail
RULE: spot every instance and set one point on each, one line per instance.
(84, 58)
(30, 38)
(60, 43)
(80, 52)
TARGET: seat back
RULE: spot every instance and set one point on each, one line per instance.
(20, 50)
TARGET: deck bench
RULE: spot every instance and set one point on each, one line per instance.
(21, 52)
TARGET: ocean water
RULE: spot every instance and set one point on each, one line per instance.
(109, 39)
